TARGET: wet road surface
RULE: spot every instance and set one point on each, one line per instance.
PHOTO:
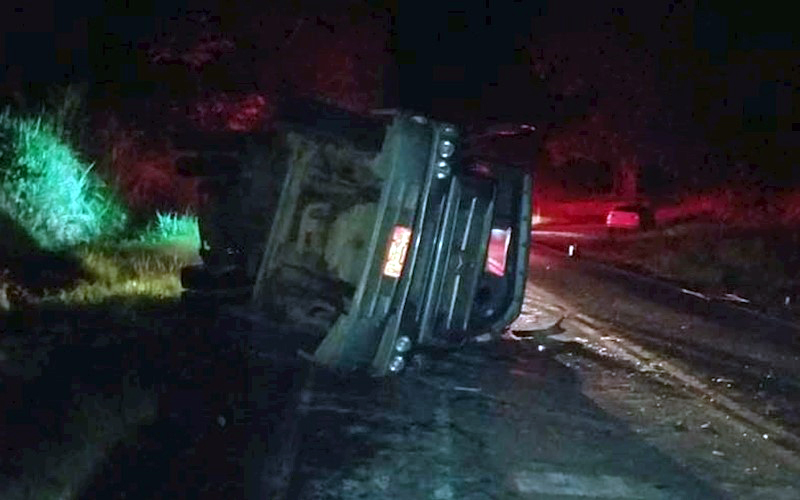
(678, 414)
(496, 421)
(749, 352)
(241, 416)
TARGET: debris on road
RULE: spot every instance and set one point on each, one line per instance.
(658, 389)
(485, 337)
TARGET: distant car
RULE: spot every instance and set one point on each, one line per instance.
(630, 217)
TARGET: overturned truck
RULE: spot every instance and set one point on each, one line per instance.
(377, 236)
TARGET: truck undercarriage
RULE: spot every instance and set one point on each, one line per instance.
(376, 237)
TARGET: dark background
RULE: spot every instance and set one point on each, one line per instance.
(690, 93)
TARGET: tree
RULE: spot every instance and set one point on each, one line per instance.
(614, 98)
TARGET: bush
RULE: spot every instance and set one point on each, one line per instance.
(141, 166)
(48, 190)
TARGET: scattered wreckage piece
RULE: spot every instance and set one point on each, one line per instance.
(373, 235)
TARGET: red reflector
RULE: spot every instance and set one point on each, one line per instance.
(396, 257)
(498, 251)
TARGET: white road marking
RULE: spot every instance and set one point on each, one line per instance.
(735, 298)
(643, 360)
(694, 294)
(581, 485)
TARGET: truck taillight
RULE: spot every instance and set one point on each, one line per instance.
(499, 241)
(398, 249)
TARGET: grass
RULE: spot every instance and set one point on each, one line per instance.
(759, 264)
(60, 219)
(748, 244)
(50, 200)
(53, 207)
(141, 269)
(721, 242)
(172, 228)
(48, 190)
(128, 273)
(122, 277)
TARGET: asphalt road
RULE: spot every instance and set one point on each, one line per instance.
(499, 420)
(716, 338)
(505, 419)
(513, 420)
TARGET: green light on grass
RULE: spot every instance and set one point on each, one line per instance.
(48, 191)
(172, 228)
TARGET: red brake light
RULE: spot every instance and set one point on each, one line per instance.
(499, 241)
(398, 249)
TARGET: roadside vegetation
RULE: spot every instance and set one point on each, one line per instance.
(48, 191)
(60, 215)
(741, 245)
(77, 261)
(759, 266)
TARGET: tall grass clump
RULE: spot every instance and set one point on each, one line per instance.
(48, 190)
(172, 228)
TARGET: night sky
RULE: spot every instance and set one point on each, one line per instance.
(440, 50)
(661, 73)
